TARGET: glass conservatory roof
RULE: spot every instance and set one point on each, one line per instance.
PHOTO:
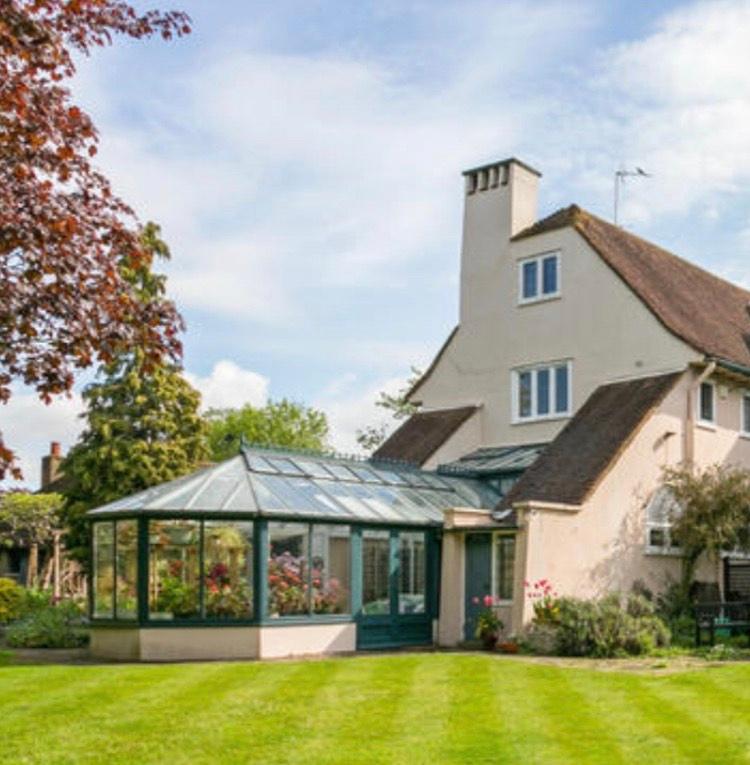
(493, 460)
(260, 482)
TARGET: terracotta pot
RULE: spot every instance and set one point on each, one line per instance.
(509, 647)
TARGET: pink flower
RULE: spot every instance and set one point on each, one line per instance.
(475, 600)
(488, 600)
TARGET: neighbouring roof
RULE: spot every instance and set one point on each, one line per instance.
(572, 465)
(261, 482)
(417, 439)
(494, 460)
(708, 313)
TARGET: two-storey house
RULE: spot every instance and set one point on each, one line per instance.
(585, 360)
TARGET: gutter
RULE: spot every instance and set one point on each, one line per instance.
(689, 446)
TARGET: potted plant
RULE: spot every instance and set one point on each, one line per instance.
(489, 624)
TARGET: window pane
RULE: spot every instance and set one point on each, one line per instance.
(746, 414)
(104, 562)
(657, 537)
(562, 395)
(542, 391)
(375, 572)
(411, 599)
(127, 569)
(524, 394)
(287, 569)
(505, 547)
(228, 569)
(330, 569)
(549, 275)
(529, 270)
(174, 577)
(707, 402)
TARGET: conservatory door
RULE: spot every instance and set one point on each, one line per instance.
(395, 608)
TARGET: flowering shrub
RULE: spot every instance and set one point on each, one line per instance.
(286, 584)
(545, 601)
(224, 597)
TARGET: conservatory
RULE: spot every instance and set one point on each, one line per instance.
(273, 554)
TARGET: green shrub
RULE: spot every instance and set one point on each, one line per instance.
(11, 600)
(49, 626)
(608, 628)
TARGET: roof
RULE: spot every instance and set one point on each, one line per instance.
(494, 460)
(570, 468)
(417, 439)
(708, 313)
(268, 483)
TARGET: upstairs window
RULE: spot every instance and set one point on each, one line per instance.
(541, 392)
(745, 414)
(539, 277)
(707, 403)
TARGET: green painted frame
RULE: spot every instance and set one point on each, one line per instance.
(260, 571)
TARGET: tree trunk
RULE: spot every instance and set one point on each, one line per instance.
(32, 574)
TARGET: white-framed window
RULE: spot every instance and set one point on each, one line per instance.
(539, 277)
(745, 414)
(660, 511)
(707, 403)
(503, 565)
(542, 392)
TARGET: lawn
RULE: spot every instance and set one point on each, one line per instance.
(408, 708)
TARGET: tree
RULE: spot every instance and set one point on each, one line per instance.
(65, 238)
(371, 436)
(143, 423)
(29, 520)
(279, 423)
(710, 514)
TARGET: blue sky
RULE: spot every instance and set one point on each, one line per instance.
(304, 160)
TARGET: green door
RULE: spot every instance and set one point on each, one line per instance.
(478, 579)
(395, 606)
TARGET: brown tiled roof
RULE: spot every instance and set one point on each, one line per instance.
(432, 366)
(708, 313)
(570, 468)
(423, 434)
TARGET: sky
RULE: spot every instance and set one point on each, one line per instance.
(304, 161)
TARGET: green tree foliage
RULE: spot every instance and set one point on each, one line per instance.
(711, 515)
(29, 520)
(143, 425)
(279, 423)
(399, 406)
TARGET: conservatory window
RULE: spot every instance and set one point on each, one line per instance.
(228, 569)
(504, 558)
(288, 592)
(330, 565)
(376, 556)
(411, 595)
(174, 580)
(127, 570)
(104, 562)
(660, 511)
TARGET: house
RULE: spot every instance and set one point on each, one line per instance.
(585, 360)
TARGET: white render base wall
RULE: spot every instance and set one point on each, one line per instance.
(216, 643)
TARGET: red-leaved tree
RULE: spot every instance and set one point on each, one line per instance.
(67, 243)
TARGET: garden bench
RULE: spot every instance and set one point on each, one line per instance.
(727, 618)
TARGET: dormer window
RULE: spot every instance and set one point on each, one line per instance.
(539, 278)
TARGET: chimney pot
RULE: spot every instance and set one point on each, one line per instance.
(54, 449)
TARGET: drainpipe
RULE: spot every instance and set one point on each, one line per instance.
(689, 454)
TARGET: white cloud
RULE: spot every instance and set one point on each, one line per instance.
(29, 426)
(349, 413)
(230, 386)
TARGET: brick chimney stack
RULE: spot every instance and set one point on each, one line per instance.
(51, 465)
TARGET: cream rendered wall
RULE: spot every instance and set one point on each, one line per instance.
(467, 438)
(198, 643)
(597, 322)
(307, 640)
(601, 548)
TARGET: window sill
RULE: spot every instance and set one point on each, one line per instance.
(546, 418)
(706, 425)
(662, 552)
(536, 300)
